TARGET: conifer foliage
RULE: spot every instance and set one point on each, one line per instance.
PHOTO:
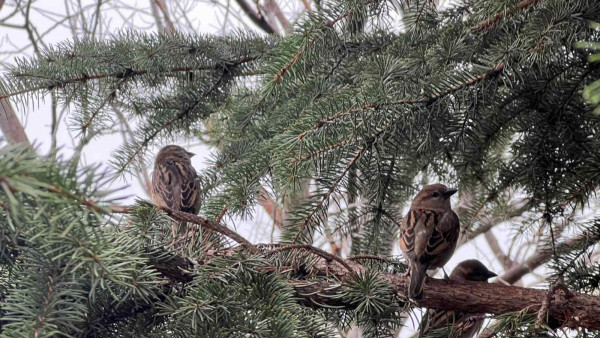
(359, 106)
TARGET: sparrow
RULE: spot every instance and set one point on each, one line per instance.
(461, 324)
(175, 184)
(428, 234)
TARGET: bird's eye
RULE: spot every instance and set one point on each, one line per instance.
(435, 194)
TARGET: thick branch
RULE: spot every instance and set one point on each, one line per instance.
(568, 309)
(540, 257)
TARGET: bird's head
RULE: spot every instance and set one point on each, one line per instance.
(434, 196)
(173, 153)
(471, 270)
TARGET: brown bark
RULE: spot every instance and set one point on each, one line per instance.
(10, 125)
(271, 207)
(257, 18)
(565, 309)
(543, 255)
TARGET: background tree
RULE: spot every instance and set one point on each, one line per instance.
(349, 109)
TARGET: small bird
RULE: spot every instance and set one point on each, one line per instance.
(175, 184)
(461, 324)
(428, 234)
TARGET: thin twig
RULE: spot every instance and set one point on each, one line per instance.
(501, 15)
(257, 18)
(163, 8)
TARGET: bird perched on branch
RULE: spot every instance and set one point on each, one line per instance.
(428, 234)
(460, 324)
(175, 184)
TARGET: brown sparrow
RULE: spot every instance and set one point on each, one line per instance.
(175, 184)
(428, 234)
(461, 325)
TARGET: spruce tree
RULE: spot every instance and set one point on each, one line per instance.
(360, 106)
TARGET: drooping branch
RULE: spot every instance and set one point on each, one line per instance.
(325, 198)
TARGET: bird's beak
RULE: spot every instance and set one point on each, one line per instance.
(491, 274)
(450, 192)
(190, 154)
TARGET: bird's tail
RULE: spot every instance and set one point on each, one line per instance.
(418, 272)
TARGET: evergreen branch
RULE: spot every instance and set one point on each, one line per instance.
(420, 13)
(108, 97)
(334, 117)
(329, 257)
(329, 192)
(372, 257)
(298, 54)
(501, 15)
(490, 73)
(206, 223)
(332, 147)
(175, 214)
(427, 101)
(574, 309)
(168, 124)
(130, 73)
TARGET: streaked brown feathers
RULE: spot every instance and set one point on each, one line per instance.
(457, 324)
(428, 234)
(175, 183)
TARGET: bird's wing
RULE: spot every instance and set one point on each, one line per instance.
(444, 235)
(417, 230)
(426, 234)
(190, 188)
(166, 186)
(407, 235)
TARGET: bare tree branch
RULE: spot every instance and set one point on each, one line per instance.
(283, 21)
(10, 125)
(506, 262)
(257, 18)
(166, 17)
